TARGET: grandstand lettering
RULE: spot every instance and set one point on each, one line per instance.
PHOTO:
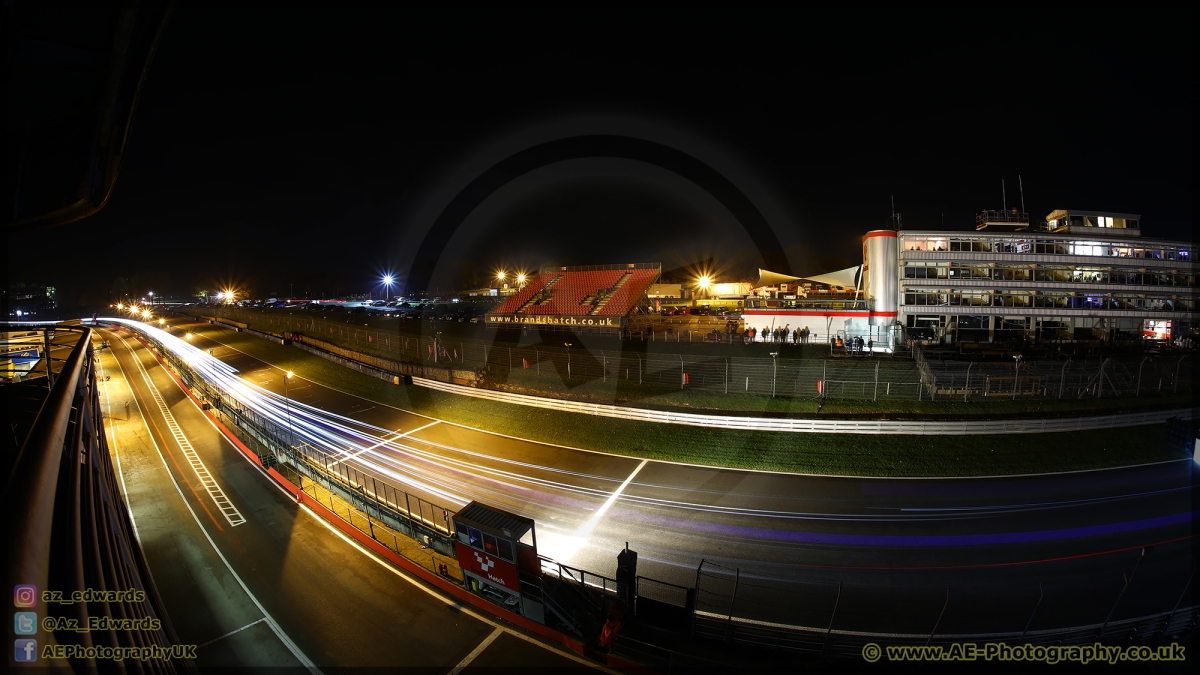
(596, 296)
(543, 320)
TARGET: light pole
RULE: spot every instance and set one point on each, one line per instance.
(387, 286)
(288, 408)
(1016, 374)
(568, 346)
(774, 366)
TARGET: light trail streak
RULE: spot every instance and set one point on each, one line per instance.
(457, 475)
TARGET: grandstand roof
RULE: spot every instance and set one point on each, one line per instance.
(844, 278)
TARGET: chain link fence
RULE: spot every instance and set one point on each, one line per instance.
(860, 377)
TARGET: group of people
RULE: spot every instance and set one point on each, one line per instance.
(855, 345)
(784, 336)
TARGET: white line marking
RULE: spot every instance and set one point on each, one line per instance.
(709, 467)
(590, 525)
(275, 628)
(214, 490)
(386, 441)
(112, 425)
(476, 652)
(458, 607)
(232, 632)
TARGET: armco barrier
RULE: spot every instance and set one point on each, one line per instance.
(458, 592)
(827, 426)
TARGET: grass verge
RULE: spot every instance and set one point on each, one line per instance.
(553, 381)
(835, 454)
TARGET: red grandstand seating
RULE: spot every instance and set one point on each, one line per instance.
(580, 293)
(570, 290)
(514, 302)
(622, 300)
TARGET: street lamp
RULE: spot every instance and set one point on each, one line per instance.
(387, 284)
(501, 275)
(520, 278)
(287, 406)
(161, 322)
(774, 366)
(568, 346)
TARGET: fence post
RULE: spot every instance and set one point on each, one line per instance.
(1100, 379)
(1138, 391)
(875, 397)
(1062, 382)
(1177, 365)
(939, 619)
(682, 375)
(639, 358)
(832, 615)
(537, 359)
(737, 578)
(726, 374)
(1041, 594)
(1122, 593)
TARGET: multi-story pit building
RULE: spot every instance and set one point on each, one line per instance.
(1080, 275)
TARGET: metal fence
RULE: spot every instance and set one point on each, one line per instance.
(398, 509)
(829, 618)
(1097, 377)
(68, 526)
(853, 377)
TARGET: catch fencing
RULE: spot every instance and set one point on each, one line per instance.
(409, 514)
(859, 377)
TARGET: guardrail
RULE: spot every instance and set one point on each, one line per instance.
(499, 365)
(70, 531)
(828, 426)
(271, 443)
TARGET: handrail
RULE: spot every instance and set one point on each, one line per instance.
(63, 497)
(826, 425)
(31, 487)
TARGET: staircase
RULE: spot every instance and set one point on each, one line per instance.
(540, 297)
(608, 295)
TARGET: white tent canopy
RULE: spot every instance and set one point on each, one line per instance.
(844, 278)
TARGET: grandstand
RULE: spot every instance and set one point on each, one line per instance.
(568, 295)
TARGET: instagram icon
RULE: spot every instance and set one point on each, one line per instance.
(25, 595)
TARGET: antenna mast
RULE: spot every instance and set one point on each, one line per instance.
(1003, 196)
(1021, 185)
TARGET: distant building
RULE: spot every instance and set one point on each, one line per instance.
(1080, 275)
(666, 291)
(29, 300)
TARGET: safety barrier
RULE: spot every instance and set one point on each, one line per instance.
(63, 497)
(828, 426)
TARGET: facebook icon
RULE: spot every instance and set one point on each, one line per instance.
(25, 651)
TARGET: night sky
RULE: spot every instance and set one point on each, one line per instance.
(318, 148)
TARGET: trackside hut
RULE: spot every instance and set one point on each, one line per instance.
(497, 551)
